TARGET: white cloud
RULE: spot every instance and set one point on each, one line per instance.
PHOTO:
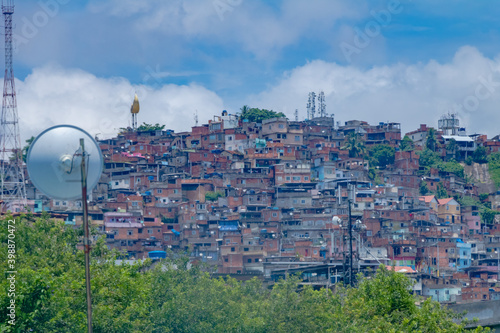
(409, 94)
(53, 95)
(254, 26)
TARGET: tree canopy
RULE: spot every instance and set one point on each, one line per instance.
(258, 115)
(431, 140)
(149, 127)
(382, 155)
(354, 145)
(480, 156)
(406, 144)
(175, 296)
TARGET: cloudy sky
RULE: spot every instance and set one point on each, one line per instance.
(81, 61)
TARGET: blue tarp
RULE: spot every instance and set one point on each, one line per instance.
(228, 228)
(176, 232)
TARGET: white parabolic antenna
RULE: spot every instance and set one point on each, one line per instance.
(54, 162)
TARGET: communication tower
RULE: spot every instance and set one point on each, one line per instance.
(322, 105)
(12, 174)
(311, 105)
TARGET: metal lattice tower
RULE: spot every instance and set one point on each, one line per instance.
(322, 105)
(13, 189)
(311, 105)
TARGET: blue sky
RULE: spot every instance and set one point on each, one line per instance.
(82, 61)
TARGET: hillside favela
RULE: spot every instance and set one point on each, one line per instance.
(253, 194)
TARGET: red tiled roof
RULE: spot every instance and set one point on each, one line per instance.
(444, 201)
(427, 198)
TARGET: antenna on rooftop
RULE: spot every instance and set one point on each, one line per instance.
(296, 114)
(196, 118)
(311, 105)
(322, 105)
(61, 161)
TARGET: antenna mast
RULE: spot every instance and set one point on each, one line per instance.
(322, 105)
(311, 105)
(12, 174)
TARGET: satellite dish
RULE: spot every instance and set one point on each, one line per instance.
(54, 162)
(62, 162)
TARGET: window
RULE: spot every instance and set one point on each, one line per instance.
(130, 232)
(306, 177)
(232, 249)
(159, 190)
(150, 231)
(226, 260)
(281, 126)
(275, 214)
(249, 260)
(297, 138)
(287, 177)
(256, 259)
(245, 249)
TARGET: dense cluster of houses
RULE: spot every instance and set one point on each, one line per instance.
(276, 197)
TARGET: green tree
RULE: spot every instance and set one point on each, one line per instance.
(354, 145)
(406, 144)
(27, 147)
(452, 148)
(441, 192)
(423, 188)
(431, 140)
(149, 127)
(451, 166)
(428, 158)
(382, 155)
(258, 115)
(480, 156)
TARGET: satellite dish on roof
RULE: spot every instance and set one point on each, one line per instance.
(54, 162)
(61, 161)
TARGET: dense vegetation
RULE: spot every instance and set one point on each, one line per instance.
(494, 168)
(429, 159)
(177, 297)
(258, 115)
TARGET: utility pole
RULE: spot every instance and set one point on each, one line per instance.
(350, 246)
